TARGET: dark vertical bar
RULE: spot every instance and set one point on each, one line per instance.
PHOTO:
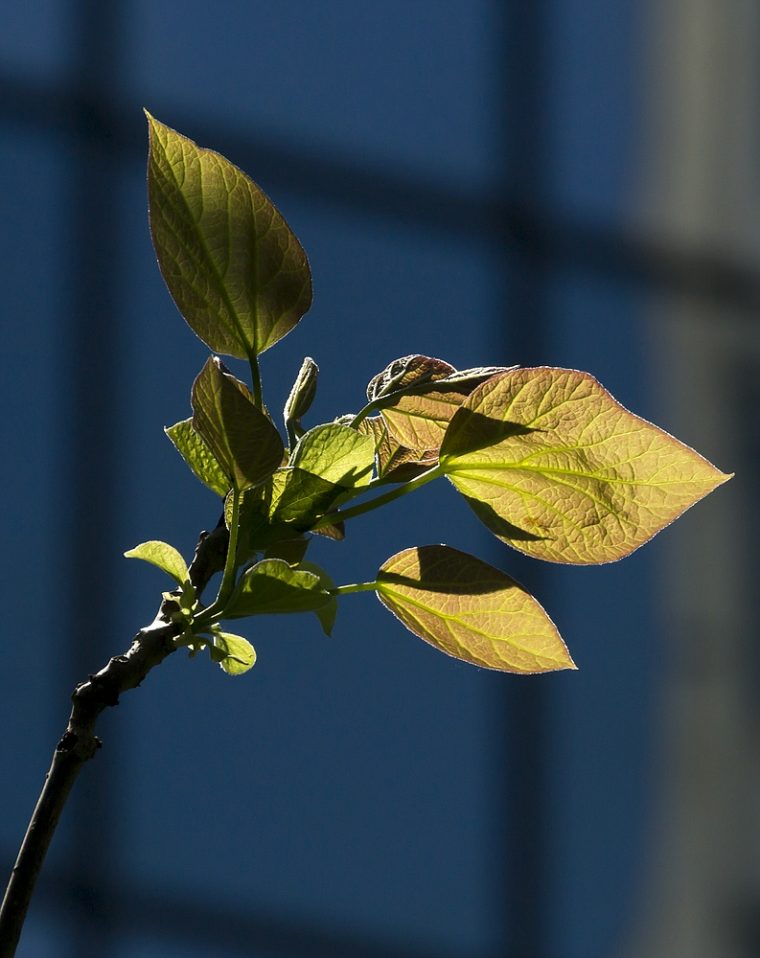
(91, 392)
(522, 60)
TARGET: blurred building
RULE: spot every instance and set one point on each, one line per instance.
(570, 183)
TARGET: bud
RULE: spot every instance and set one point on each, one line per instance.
(300, 399)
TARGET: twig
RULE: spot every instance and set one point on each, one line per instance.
(79, 743)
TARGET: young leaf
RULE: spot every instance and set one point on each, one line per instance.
(272, 586)
(394, 462)
(418, 401)
(233, 266)
(300, 399)
(257, 532)
(234, 654)
(190, 445)
(300, 497)
(241, 437)
(337, 454)
(164, 556)
(405, 372)
(470, 610)
(559, 470)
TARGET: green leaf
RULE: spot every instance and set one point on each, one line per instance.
(468, 609)
(417, 397)
(233, 266)
(234, 654)
(292, 550)
(164, 556)
(272, 586)
(559, 470)
(190, 445)
(336, 453)
(241, 437)
(394, 462)
(328, 461)
(300, 497)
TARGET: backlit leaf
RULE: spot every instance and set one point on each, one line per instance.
(300, 398)
(394, 462)
(190, 445)
(241, 437)
(406, 372)
(300, 497)
(336, 453)
(234, 653)
(164, 556)
(417, 397)
(558, 469)
(470, 610)
(272, 586)
(233, 266)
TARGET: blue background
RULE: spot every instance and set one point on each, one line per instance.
(460, 175)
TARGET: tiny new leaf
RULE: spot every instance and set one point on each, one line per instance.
(394, 462)
(470, 610)
(242, 438)
(559, 470)
(418, 395)
(273, 586)
(300, 398)
(233, 266)
(403, 373)
(191, 446)
(234, 654)
(161, 554)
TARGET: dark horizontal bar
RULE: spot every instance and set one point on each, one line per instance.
(157, 915)
(704, 274)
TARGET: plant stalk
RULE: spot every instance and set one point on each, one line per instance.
(387, 497)
(79, 743)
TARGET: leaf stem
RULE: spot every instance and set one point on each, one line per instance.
(253, 362)
(358, 510)
(363, 413)
(355, 587)
(230, 562)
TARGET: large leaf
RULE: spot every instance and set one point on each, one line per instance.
(233, 266)
(468, 609)
(557, 468)
(190, 445)
(161, 554)
(241, 437)
(418, 395)
(337, 454)
(272, 586)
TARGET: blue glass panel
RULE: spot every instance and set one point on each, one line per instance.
(593, 142)
(601, 732)
(394, 85)
(33, 703)
(35, 38)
